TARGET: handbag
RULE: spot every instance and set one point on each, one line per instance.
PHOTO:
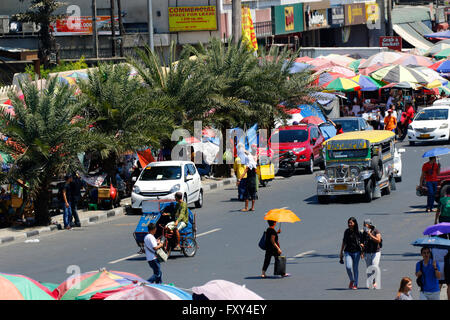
(262, 241)
(280, 266)
(161, 255)
(420, 280)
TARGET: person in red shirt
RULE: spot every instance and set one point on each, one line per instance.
(407, 118)
(430, 171)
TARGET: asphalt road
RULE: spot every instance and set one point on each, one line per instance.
(228, 242)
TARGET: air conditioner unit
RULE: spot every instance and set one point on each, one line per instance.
(4, 24)
(30, 27)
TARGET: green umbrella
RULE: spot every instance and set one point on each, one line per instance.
(342, 85)
(442, 54)
(355, 64)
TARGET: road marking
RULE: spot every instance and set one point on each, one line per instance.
(138, 254)
(208, 232)
(300, 255)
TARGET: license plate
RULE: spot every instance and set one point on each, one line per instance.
(340, 187)
(425, 135)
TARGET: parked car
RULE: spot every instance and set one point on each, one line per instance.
(304, 140)
(161, 180)
(430, 124)
(350, 124)
(441, 102)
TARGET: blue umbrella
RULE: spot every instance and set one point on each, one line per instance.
(432, 242)
(444, 67)
(438, 35)
(436, 152)
(298, 67)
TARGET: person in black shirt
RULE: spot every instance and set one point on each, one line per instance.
(272, 247)
(76, 186)
(371, 243)
(351, 251)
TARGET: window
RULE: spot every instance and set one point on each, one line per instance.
(161, 173)
(290, 136)
(348, 154)
(434, 114)
(192, 169)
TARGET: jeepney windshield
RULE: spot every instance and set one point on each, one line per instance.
(348, 154)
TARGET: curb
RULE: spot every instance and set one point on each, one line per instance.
(100, 216)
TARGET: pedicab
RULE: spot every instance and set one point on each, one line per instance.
(265, 168)
(159, 213)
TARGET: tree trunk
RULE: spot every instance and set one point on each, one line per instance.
(41, 206)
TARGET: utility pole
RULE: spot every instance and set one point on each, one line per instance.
(389, 8)
(113, 31)
(94, 27)
(122, 30)
(150, 25)
(236, 16)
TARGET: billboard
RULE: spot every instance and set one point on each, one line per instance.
(200, 18)
(84, 26)
(355, 14)
(287, 19)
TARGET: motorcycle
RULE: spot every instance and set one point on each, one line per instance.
(287, 164)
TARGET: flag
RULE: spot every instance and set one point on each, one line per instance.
(248, 31)
(145, 157)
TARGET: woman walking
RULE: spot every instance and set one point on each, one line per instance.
(351, 252)
(272, 247)
(404, 292)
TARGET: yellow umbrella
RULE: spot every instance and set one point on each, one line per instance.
(281, 215)
(436, 84)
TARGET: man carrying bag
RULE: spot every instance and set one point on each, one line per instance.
(151, 246)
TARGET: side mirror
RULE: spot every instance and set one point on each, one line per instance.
(134, 179)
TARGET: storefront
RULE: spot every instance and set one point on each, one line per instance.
(287, 24)
(316, 19)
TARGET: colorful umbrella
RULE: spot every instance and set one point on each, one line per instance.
(342, 85)
(441, 66)
(367, 83)
(355, 64)
(326, 77)
(304, 59)
(385, 57)
(435, 152)
(444, 90)
(437, 229)
(402, 85)
(281, 215)
(436, 48)
(347, 72)
(429, 74)
(436, 84)
(225, 290)
(149, 292)
(18, 287)
(367, 71)
(86, 285)
(442, 54)
(397, 74)
(438, 35)
(339, 59)
(413, 60)
(312, 120)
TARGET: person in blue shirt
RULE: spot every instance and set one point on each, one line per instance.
(429, 269)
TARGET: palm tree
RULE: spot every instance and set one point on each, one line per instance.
(44, 139)
(124, 115)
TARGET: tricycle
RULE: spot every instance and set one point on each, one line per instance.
(159, 212)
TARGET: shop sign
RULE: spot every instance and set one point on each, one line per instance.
(81, 26)
(391, 42)
(373, 16)
(355, 14)
(200, 18)
(336, 16)
(287, 19)
(316, 19)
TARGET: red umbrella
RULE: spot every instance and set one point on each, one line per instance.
(312, 120)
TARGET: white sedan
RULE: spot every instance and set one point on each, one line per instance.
(430, 124)
(398, 164)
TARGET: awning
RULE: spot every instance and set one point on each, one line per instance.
(420, 27)
(411, 36)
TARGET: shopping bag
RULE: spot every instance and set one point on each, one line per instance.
(161, 255)
(280, 266)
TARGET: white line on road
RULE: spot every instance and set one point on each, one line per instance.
(300, 255)
(138, 254)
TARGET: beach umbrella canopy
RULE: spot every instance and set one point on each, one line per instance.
(443, 67)
(354, 65)
(436, 84)
(397, 73)
(444, 90)
(439, 35)
(437, 48)
(437, 229)
(402, 85)
(326, 77)
(367, 83)
(312, 120)
(342, 85)
(341, 60)
(429, 74)
(435, 152)
(19, 287)
(385, 57)
(347, 72)
(303, 59)
(225, 290)
(281, 215)
(413, 60)
(432, 242)
(86, 285)
(149, 292)
(442, 54)
(367, 71)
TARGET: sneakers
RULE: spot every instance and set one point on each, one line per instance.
(354, 287)
(350, 286)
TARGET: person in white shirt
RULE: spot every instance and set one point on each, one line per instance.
(151, 245)
(356, 108)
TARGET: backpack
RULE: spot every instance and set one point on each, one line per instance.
(420, 280)
(262, 241)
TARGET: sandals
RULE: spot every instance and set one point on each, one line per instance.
(244, 210)
(263, 276)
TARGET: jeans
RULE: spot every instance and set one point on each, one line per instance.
(73, 206)
(351, 265)
(241, 188)
(157, 274)
(67, 215)
(432, 188)
(430, 295)
(372, 259)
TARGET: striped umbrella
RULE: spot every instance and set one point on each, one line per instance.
(341, 60)
(342, 85)
(413, 60)
(436, 48)
(150, 292)
(355, 64)
(325, 77)
(367, 83)
(85, 286)
(18, 287)
(441, 66)
(367, 71)
(436, 84)
(399, 73)
(443, 54)
(385, 57)
(347, 72)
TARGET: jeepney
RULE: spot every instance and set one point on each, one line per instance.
(358, 163)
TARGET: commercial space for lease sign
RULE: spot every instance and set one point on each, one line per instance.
(200, 18)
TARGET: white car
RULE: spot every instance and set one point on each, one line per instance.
(442, 102)
(161, 180)
(398, 164)
(430, 124)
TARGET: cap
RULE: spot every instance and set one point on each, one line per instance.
(369, 222)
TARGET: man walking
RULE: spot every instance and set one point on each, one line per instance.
(429, 271)
(151, 245)
(75, 187)
(67, 202)
(430, 171)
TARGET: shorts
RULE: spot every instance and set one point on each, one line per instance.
(250, 192)
(171, 225)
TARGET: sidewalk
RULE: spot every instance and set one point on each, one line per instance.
(8, 235)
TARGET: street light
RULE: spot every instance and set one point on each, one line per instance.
(150, 25)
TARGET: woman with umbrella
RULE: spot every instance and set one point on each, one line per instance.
(272, 247)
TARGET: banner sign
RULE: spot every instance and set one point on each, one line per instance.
(84, 26)
(316, 19)
(336, 17)
(248, 30)
(355, 14)
(199, 18)
(287, 19)
(391, 42)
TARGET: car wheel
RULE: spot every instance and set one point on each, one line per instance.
(398, 179)
(322, 165)
(412, 143)
(310, 168)
(368, 195)
(199, 202)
